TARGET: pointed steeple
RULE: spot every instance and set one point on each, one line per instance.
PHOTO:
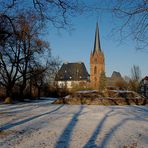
(97, 47)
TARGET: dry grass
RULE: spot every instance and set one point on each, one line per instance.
(8, 100)
(133, 145)
(95, 98)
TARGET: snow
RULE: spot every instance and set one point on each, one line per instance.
(40, 124)
(87, 91)
(67, 97)
(122, 91)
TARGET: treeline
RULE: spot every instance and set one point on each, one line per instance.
(27, 68)
(26, 64)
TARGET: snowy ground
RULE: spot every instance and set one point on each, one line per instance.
(41, 124)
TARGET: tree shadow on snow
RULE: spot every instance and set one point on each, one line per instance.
(12, 107)
(141, 108)
(64, 139)
(113, 130)
(108, 136)
(92, 139)
(11, 125)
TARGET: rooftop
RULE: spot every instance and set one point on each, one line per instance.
(72, 72)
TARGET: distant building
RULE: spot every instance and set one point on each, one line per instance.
(72, 74)
(97, 61)
(144, 86)
(113, 80)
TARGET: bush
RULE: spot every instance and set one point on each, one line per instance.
(8, 100)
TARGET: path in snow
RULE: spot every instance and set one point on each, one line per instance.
(41, 124)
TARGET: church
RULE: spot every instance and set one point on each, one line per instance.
(97, 62)
(71, 74)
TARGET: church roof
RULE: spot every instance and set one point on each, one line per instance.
(97, 46)
(72, 72)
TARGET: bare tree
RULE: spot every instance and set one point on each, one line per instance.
(102, 82)
(131, 15)
(136, 73)
(19, 55)
(31, 45)
(19, 51)
(57, 12)
(135, 78)
(130, 18)
(9, 55)
(37, 78)
(52, 68)
(134, 15)
(6, 28)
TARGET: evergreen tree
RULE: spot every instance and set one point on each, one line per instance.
(102, 83)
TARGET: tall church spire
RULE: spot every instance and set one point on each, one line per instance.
(97, 62)
(97, 47)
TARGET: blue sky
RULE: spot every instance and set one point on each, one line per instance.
(76, 45)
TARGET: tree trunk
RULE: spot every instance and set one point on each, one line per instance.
(22, 88)
(30, 90)
(39, 91)
(9, 88)
(9, 92)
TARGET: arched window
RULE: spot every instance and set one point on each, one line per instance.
(95, 70)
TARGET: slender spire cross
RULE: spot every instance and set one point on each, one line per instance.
(97, 46)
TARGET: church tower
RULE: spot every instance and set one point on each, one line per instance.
(97, 61)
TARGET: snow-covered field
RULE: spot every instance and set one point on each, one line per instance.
(41, 124)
